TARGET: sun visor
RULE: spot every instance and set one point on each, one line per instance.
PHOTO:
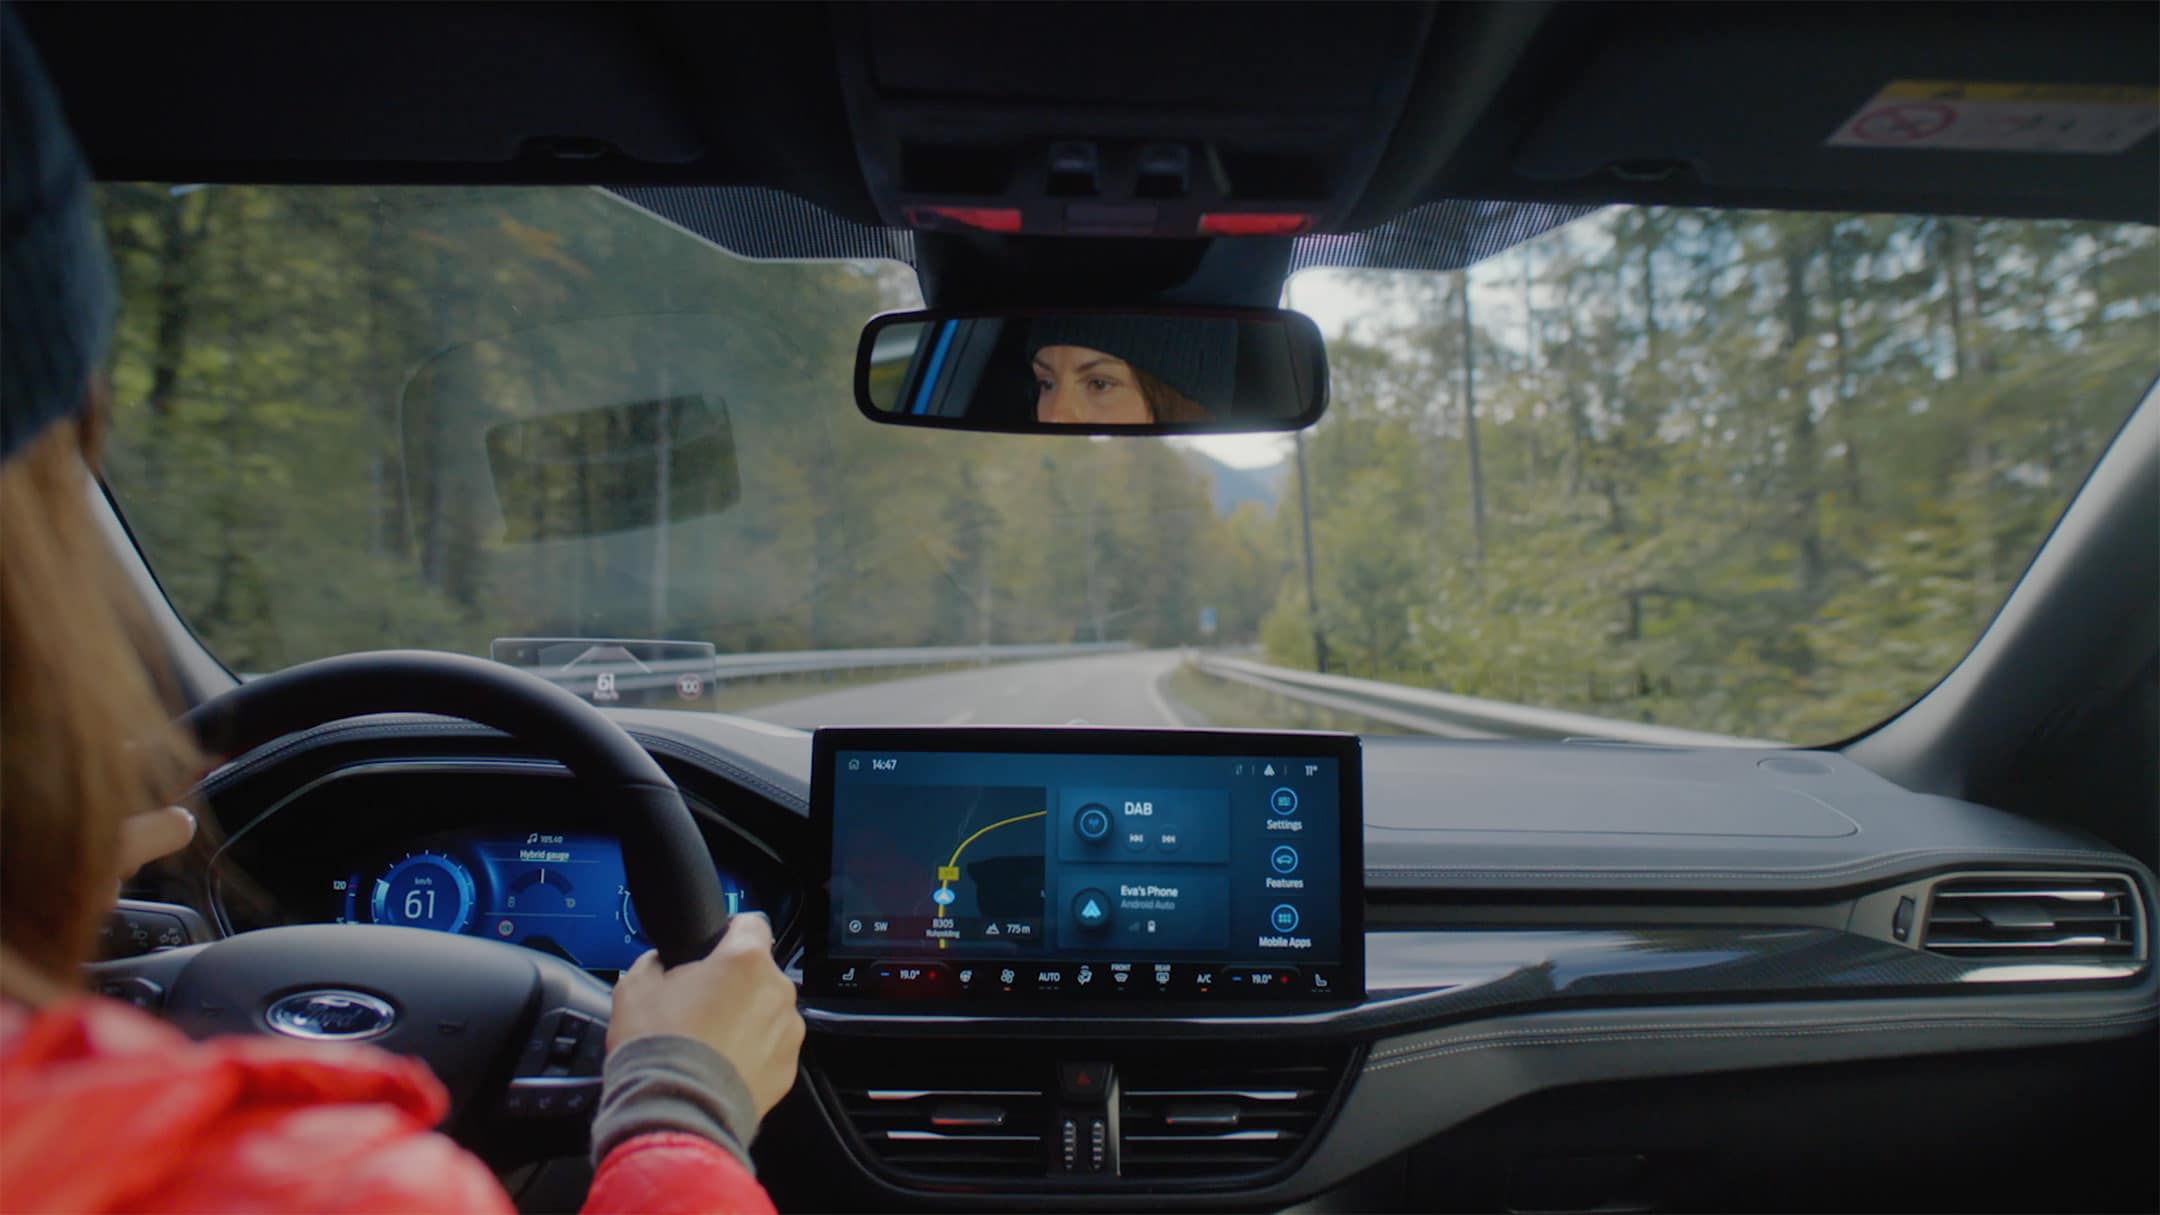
(1885, 112)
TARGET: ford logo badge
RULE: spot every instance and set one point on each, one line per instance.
(331, 1014)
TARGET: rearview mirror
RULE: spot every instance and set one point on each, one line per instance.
(1093, 371)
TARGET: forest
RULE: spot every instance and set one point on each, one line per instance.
(1761, 473)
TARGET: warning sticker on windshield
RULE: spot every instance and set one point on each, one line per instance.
(2094, 120)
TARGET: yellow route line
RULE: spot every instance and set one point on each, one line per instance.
(1019, 818)
(944, 883)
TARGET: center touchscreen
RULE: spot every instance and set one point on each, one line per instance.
(1080, 864)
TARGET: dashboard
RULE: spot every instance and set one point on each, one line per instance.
(1668, 944)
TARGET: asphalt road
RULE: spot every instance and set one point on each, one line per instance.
(1101, 690)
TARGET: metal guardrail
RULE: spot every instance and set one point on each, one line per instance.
(736, 666)
(583, 678)
(1450, 716)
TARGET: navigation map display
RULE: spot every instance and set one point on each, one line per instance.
(1079, 864)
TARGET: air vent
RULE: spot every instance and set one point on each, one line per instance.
(936, 1114)
(2033, 916)
(1211, 1122)
(987, 1113)
(974, 1133)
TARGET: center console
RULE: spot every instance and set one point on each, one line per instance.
(1029, 943)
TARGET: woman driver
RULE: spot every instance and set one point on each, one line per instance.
(1130, 370)
(105, 1108)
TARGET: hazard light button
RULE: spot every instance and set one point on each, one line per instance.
(1083, 1081)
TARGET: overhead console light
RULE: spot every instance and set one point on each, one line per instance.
(1255, 223)
(1143, 143)
(982, 219)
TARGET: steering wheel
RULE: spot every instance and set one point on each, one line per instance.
(514, 1034)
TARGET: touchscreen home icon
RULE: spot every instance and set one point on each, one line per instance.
(1284, 918)
(1283, 801)
(1284, 859)
(1091, 909)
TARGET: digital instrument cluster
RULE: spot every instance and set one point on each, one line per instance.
(563, 893)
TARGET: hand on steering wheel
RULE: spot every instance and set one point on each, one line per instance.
(512, 1033)
(735, 1001)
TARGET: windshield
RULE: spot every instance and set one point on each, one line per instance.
(1739, 473)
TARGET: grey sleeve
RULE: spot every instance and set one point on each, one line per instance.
(667, 1082)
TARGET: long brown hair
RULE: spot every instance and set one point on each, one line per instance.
(1167, 404)
(86, 702)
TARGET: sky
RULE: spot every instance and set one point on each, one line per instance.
(1334, 304)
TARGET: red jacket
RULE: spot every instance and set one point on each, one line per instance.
(103, 1108)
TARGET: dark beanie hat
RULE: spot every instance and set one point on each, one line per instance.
(1195, 355)
(56, 287)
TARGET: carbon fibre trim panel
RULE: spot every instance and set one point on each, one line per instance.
(1416, 1086)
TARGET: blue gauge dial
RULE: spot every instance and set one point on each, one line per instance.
(425, 890)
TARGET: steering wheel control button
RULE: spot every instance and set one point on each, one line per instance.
(136, 990)
(130, 932)
(1283, 802)
(563, 1051)
(1092, 823)
(1284, 859)
(331, 1014)
(592, 1052)
(1284, 918)
(551, 1097)
(1091, 910)
(561, 1044)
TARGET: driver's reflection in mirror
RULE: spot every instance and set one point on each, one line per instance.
(1130, 371)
